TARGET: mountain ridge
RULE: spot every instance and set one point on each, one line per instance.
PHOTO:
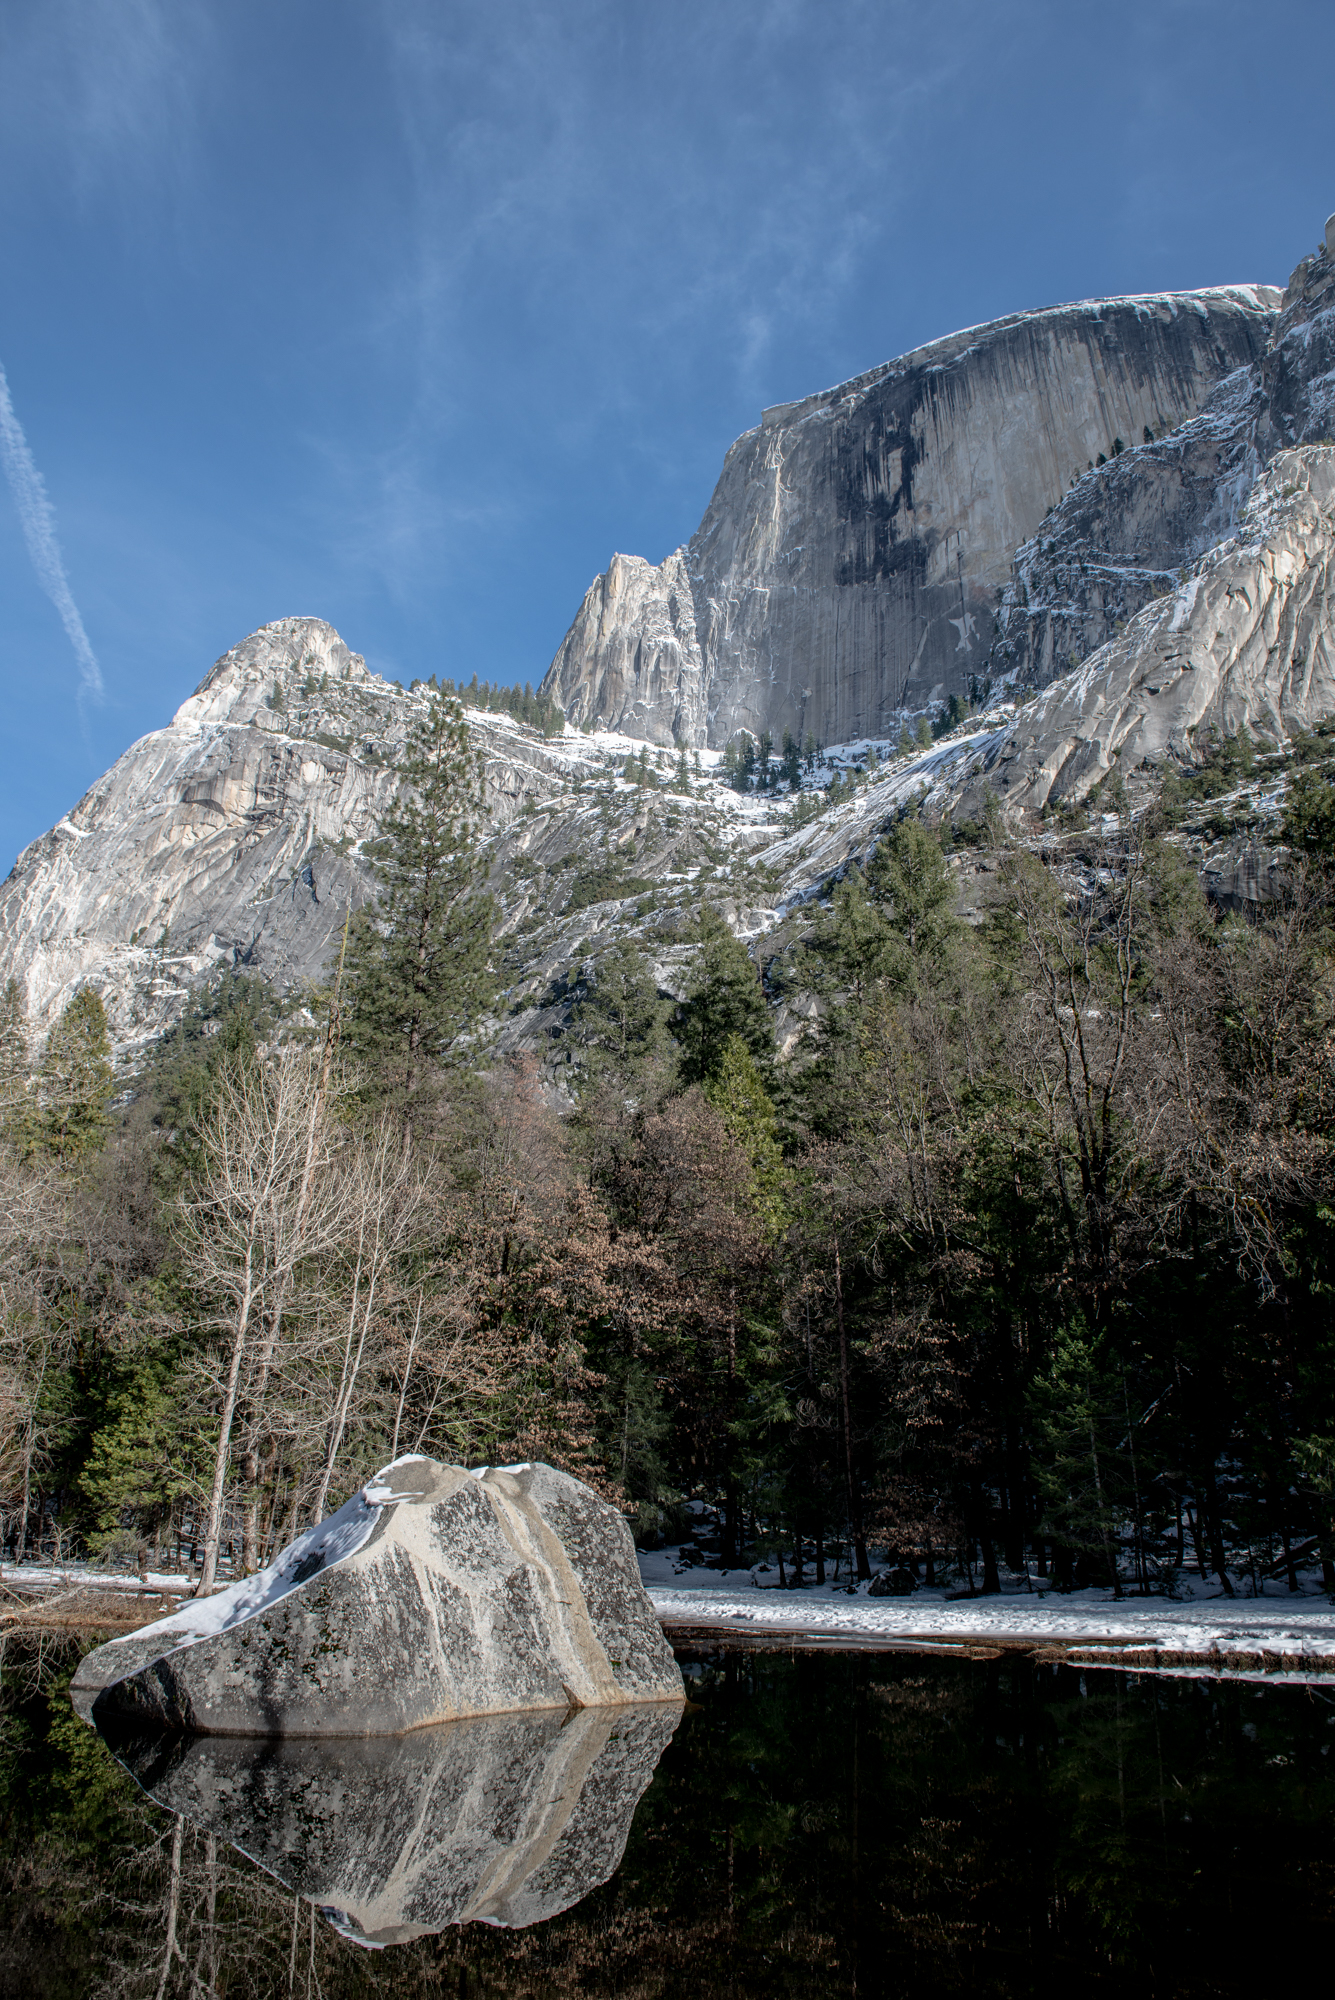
(238, 835)
(848, 566)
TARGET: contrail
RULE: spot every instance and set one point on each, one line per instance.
(39, 531)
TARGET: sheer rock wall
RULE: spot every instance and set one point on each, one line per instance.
(1134, 526)
(850, 562)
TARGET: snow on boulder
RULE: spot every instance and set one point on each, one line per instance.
(435, 1593)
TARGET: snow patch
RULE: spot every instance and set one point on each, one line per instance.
(320, 1548)
(1214, 1626)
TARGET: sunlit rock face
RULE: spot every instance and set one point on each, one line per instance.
(508, 1820)
(633, 654)
(850, 562)
(435, 1593)
(1133, 527)
(232, 839)
(195, 850)
(1246, 641)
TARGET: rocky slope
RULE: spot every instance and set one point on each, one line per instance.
(1127, 530)
(233, 836)
(850, 562)
(1246, 641)
(236, 836)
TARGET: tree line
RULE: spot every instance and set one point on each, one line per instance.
(1014, 1258)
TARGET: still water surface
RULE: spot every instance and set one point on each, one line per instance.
(813, 1825)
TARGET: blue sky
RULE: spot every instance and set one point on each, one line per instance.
(407, 315)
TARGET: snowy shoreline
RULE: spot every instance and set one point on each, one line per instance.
(1260, 1638)
(1276, 1636)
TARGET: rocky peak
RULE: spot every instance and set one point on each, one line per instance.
(1311, 285)
(291, 655)
(234, 836)
(1297, 375)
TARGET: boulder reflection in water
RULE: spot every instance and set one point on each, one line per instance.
(500, 1819)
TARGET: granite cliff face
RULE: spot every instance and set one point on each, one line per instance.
(232, 838)
(1176, 592)
(1247, 641)
(851, 560)
(1131, 528)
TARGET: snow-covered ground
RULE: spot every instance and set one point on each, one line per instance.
(81, 1576)
(1203, 1624)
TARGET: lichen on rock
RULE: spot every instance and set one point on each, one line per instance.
(436, 1593)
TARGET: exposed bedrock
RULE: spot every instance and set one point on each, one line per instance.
(633, 652)
(435, 1593)
(1124, 534)
(506, 1820)
(1129, 527)
(1246, 641)
(231, 838)
(850, 561)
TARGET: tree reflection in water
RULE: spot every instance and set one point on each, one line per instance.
(817, 1825)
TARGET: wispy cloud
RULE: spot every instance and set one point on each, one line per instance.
(39, 531)
(614, 213)
(103, 99)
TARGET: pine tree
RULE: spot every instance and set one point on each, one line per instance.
(76, 1079)
(737, 1092)
(1075, 1416)
(418, 968)
(907, 876)
(622, 1023)
(724, 999)
(1308, 818)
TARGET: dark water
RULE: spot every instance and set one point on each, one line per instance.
(815, 1825)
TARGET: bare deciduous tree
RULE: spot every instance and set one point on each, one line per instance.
(266, 1198)
(382, 1200)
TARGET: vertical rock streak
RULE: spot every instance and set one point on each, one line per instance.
(473, 1594)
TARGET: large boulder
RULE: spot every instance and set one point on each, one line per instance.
(500, 1820)
(435, 1593)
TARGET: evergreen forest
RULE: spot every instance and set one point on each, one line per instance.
(1011, 1255)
